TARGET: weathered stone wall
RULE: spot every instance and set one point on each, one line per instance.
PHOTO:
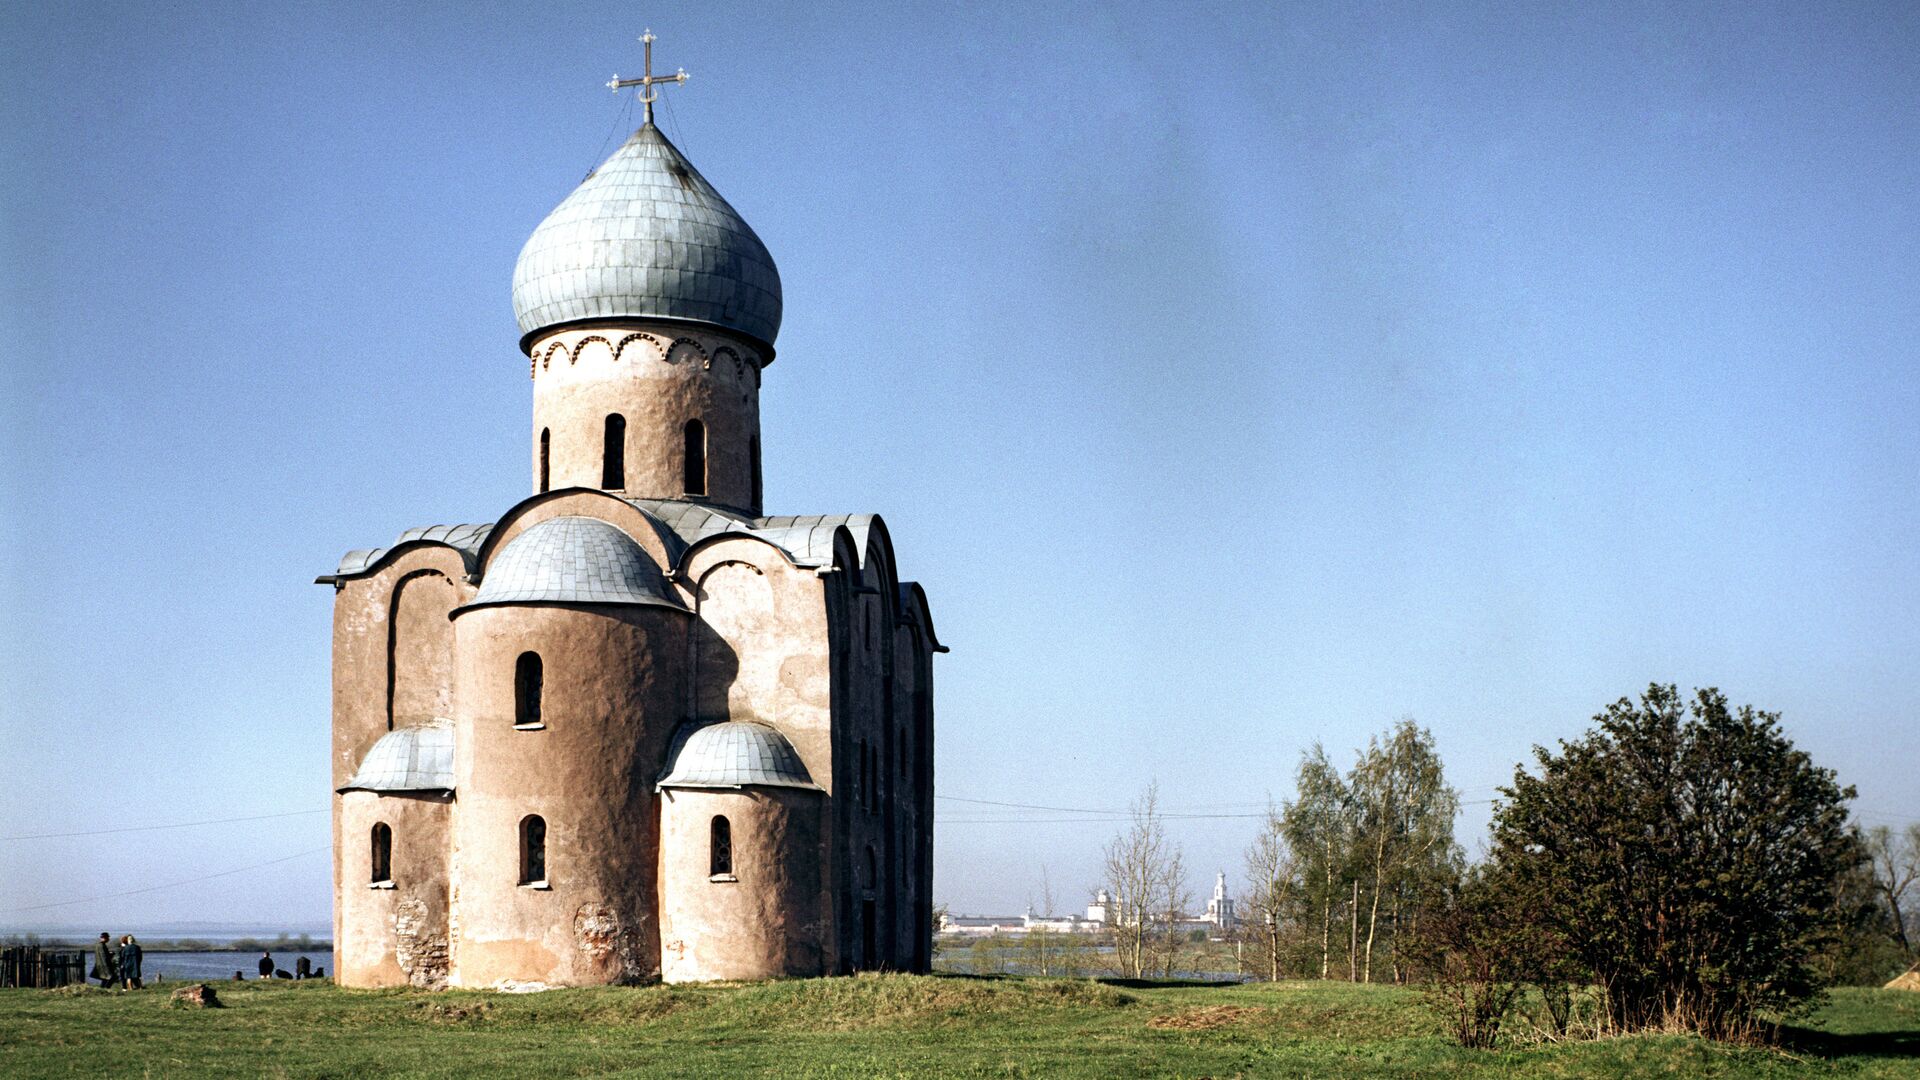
(391, 649)
(657, 376)
(764, 654)
(614, 690)
(396, 931)
(762, 921)
(420, 646)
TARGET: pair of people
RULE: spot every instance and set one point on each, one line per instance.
(118, 967)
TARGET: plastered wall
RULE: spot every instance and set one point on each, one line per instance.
(764, 919)
(657, 376)
(613, 693)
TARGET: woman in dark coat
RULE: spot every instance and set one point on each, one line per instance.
(130, 953)
(104, 967)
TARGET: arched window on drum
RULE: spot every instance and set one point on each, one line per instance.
(613, 454)
(382, 855)
(533, 850)
(695, 458)
(720, 850)
(529, 684)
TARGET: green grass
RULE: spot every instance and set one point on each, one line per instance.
(893, 1025)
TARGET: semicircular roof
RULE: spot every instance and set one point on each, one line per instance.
(735, 754)
(577, 560)
(645, 235)
(418, 758)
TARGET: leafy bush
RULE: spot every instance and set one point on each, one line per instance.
(1689, 864)
(1472, 959)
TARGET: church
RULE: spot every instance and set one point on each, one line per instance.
(635, 728)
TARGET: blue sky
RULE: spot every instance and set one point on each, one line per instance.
(1233, 376)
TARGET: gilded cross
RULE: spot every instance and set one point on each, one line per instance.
(647, 82)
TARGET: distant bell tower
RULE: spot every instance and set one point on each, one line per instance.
(1220, 908)
(648, 308)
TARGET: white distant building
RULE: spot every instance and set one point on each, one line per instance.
(994, 925)
(1101, 910)
(1220, 911)
(982, 925)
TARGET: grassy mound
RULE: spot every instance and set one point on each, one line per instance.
(873, 1025)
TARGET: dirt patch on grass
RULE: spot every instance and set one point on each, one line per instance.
(868, 1001)
(1909, 981)
(442, 1012)
(76, 990)
(1207, 1018)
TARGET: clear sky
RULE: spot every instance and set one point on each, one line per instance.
(1233, 376)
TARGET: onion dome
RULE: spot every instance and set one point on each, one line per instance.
(645, 236)
(573, 560)
(732, 755)
(418, 758)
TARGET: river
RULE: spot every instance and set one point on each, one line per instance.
(205, 966)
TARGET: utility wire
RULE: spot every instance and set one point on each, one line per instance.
(154, 828)
(175, 884)
(1109, 814)
(1027, 806)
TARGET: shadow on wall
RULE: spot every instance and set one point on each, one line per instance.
(735, 619)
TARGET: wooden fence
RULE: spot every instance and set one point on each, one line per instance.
(30, 965)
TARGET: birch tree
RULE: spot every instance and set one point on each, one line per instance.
(1318, 826)
(1403, 815)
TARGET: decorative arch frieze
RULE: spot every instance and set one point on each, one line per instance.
(674, 353)
(637, 336)
(615, 349)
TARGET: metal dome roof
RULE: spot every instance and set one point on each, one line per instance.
(409, 759)
(735, 754)
(645, 235)
(578, 560)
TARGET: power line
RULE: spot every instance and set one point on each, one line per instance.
(154, 828)
(1027, 806)
(1108, 814)
(175, 884)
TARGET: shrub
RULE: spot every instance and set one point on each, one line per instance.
(1471, 957)
(1689, 863)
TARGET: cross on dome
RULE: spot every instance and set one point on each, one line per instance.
(647, 81)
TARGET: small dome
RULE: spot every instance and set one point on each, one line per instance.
(735, 754)
(409, 759)
(578, 560)
(645, 235)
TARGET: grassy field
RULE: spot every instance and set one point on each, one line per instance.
(892, 1025)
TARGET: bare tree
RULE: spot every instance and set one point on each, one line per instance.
(1175, 899)
(1145, 874)
(1271, 889)
(1896, 866)
(1041, 944)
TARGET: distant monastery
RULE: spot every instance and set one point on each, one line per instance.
(634, 728)
(1220, 918)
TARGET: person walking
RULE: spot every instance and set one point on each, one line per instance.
(105, 968)
(266, 964)
(130, 953)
